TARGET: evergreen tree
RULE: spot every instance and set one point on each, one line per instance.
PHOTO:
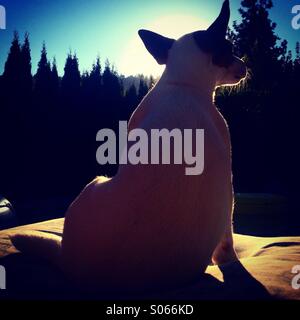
(131, 99)
(111, 84)
(143, 88)
(254, 37)
(131, 93)
(11, 75)
(298, 50)
(297, 59)
(95, 76)
(43, 75)
(26, 65)
(13, 107)
(17, 78)
(85, 84)
(54, 78)
(296, 72)
(71, 79)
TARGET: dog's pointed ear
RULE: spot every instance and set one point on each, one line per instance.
(219, 27)
(157, 45)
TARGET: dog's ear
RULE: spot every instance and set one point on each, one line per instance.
(157, 45)
(219, 28)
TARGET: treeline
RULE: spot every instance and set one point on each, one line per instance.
(263, 112)
(49, 123)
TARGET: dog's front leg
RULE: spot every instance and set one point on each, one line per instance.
(225, 251)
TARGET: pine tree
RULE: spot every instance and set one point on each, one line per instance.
(143, 88)
(71, 79)
(54, 78)
(111, 84)
(26, 65)
(297, 67)
(43, 75)
(132, 100)
(11, 75)
(255, 39)
(297, 60)
(85, 84)
(95, 75)
(112, 96)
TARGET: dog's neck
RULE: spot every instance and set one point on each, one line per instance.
(203, 87)
(185, 70)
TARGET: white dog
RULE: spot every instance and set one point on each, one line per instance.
(153, 227)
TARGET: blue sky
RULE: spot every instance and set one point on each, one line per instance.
(109, 27)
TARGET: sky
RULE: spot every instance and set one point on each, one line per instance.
(108, 28)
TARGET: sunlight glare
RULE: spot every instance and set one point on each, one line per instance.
(136, 59)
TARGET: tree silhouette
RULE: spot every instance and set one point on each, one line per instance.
(43, 75)
(131, 100)
(297, 61)
(255, 111)
(92, 84)
(11, 76)
(71, 79)
(143, 88)
(255, 39)
(111, 84)
(25, 71)
(54, 84)
(112, 93)
(15, 99)
(96, 77)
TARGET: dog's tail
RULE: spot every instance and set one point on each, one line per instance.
(41, 244)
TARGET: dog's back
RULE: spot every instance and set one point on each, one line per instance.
(165, 224)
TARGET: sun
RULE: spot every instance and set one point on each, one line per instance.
(136, 60)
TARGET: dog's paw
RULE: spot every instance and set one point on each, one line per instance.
(224, 253)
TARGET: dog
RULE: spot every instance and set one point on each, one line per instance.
(152, 227)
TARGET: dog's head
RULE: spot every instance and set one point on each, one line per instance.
(201, 53)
